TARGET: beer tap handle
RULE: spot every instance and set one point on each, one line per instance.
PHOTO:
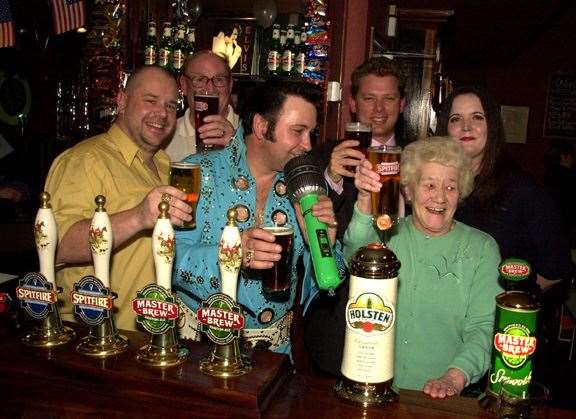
(230, 255)
(100, 238)
(163, 242)
(46, 237)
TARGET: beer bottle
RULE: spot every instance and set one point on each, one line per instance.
(288, 52)
(151, 45)
(282, 41)
(273, 62)
(300, 60)
(514, 342)
(179, 51)
(368, 360)
(294, 72)
(191, 44)
(165, 54)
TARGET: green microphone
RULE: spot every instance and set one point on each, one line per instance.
(304, 184)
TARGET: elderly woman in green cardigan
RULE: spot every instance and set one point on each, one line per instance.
(449, 273)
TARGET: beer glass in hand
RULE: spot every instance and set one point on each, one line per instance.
(204, 104)
(186, 177)
(386, 162)
(359, 131)
(276, 280)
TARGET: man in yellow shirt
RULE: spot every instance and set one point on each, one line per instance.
(127, 166)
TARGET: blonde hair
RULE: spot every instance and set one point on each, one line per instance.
(442, 150)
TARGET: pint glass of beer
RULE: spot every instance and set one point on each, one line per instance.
(276, 280)
(204, 104)
(186, 177)
(386, 162)
(359, 131)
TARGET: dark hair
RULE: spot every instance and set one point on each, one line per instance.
(494, 166)
(378, 66)
(267, 100)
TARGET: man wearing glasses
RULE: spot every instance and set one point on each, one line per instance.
(204, 72)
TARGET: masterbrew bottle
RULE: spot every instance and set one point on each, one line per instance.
(514, 342)
(151, 45)
(179, 51)
(274, 52)
(165, 54)
(288, 52)
(368, 360)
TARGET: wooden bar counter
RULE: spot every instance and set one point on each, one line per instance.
(59, 382)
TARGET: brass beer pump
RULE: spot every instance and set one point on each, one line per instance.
(103, 339)
(51, 332)
(163, 349)
(225, 359)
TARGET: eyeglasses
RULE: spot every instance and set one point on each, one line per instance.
(200, 82)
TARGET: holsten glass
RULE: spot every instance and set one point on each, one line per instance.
(386, 162)
(359, 131)
(204, 104)
(186, 177)
(277, 279)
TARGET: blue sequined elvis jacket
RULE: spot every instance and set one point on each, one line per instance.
(226, 183)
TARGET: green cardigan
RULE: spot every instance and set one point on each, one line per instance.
(445, 306)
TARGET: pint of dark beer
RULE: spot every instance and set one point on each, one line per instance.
(276, 280)
(386, 162)
(186, 177)
(359, 131)
(204, 104)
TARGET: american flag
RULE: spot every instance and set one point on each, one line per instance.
(7, 38)
(68, 15)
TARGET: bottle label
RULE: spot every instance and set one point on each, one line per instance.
(300, 62)
(287, 60)
(370, 330)
(276, 34)
(164, 57)
(150, 55)
(273, 60)
(178, 59)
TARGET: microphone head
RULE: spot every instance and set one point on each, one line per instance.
(303, 176)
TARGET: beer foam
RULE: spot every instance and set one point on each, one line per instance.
(184, 165)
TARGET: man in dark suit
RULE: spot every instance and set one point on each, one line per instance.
(378, 98)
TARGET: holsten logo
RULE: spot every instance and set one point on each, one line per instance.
(369, 314)
(221, 318)
(515, 344)
(388, 168)
(155, 308)
(515, 269)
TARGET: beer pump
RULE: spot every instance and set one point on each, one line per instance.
(155, 306)
(92, 297)
(37, 291)
(221, 318)
(368, 361)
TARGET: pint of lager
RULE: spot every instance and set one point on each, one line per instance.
(186, 177)
(386, 162)
(368, 361)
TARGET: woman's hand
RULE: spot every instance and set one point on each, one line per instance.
(366, 181)
(450, 384)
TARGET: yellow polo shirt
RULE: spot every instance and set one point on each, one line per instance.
(109, 164)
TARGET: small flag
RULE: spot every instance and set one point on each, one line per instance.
(7, 38)
(68, 15)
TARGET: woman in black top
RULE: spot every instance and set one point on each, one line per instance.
(506, 202)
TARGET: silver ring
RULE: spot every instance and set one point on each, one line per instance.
(249, 256)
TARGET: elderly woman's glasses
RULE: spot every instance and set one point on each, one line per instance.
(200, 82)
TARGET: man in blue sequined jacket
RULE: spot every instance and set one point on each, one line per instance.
(247, 175)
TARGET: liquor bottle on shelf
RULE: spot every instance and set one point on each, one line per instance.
(274, 53)
(288, 52)
(179, 50)
(191, 44)
(151, 47)
(166, 48)
(298, 66)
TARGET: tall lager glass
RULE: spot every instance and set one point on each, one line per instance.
(361, 132)
(276, 280)
(386, 162)
(186, 177)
